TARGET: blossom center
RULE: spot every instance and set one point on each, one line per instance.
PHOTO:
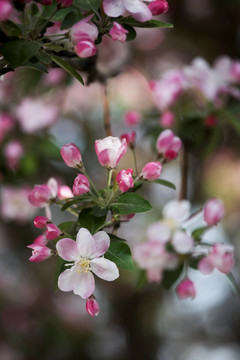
(83, 265)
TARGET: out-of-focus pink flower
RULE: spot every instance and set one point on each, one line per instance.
(136, 8)
(132, 118)
(39, 253)
(235, 71)
(158, 7)
(167, 119)
(221, 257)
(81, 185)
(186, 289)
(110, 150)
(211, 121)
(125, 180)
(151, 171)
(52, 232)
(64, 192)
(6, 124)
(159, 231)
(13, 152)
(85, 48)
(34, 115)
(182, 242)
(86, 256)
(176, 211)
(213, 211)
(130, 138)
(168, 145)
(6, 9)
(41, 195)
(71, 155)
(118, 32)
(92, 306)
(40, 222)
(54, 76)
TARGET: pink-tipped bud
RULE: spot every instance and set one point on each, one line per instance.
(40, 196)
(125, 180)
(130, 138)
(213, 211)
(40, 222)
(64, 192)
(85, 48)
(6, 9)
(71, 155)
(168, 145)
(151, 171)
(39, 253)
(211, 121)
(167, 119)
(132, 118)
(186, 289)
(81, 185)
(158, 7)
(118, 32)
(52, 232)
(40, 240)
(110, 150)
(126, 217)
(92, 306)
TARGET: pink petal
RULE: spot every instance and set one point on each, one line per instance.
(84, 284)
(105, 269)
(139, 10)
(205, 266)
(85, 243)
(113, 8)
(66, 280)
(102, 242)
(67, 249)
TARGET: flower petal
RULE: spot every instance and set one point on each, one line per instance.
(84, 284)
(66, 280)
(113, 8)
(105, 269)
(85, 243)
(139, 10)
(102, 242)
(67, 249)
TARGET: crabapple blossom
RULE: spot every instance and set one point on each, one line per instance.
(13, 152)
(167, 119)
(64, 192)
(213, 211)
(168, 145)
(81, 185)
(186, 289)
(220, 257)
(118, 32)
(132, 118)
(158, 7)
(40, 240)
(125, 180)
(40, 222)
(151, 171)
(136, 8)
(39, 253)
(71, 155)
(182, 242)
(176, 211)
(130, 138)
(41, 195)
(86, 257)
(6, 9)
(83, 34)
(110, 150)
(52, 232)
(92, 306)
(85, 48)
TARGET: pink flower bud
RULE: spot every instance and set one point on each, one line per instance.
(130, 138)
(110, 150)
(6, 9)
(84, 30)
(64, 192)
(213, 211)
(151, 171)
(211, 121)
(39, 253)
(40, 222)
(40, 195)
(13, 152)
(167, 119)
(221, 257)
(132, 118)
(125, 180)
(186, 289)
(168, 145)
(52, 232)
(118, 32)
(158, 7)
(126, 217)
(40, 240)
(85, 48)
(92, 306)
(81, 185)
(71, 155)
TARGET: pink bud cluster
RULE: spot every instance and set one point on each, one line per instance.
(83, 35)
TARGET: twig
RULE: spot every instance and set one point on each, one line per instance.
(107, 123)
(184, 174)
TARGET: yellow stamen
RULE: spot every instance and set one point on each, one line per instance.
(82, 265)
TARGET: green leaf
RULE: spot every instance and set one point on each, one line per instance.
(69, 227)
(10, 28)
(163, 182)
(69, 203)
(197, 233)
(131, 35)
(61, 14)
(89, 221)
(87, 4)
(17, 52)
(67, 67)
(36, 66)
(147, 24)
(170, 277)
(98, 211)
(131, 203)
(120, 253)
(116, 238)
(44, 57)
(70, 19)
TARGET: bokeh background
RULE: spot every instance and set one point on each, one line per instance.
(38, 321)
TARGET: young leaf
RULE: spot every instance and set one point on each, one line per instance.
(163, 182)
(120, 253)
(69, 227)
(70, 19)
(131, 203)
(147, 24)
(89, 221)
(67, 67)
(170, 277)
(197, 233)
(87, 4)
(69, 203)
(17, 52)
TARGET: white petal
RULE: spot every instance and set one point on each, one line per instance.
(85, 243)
(102, 242)
(113, 8)
(66, 280)
(105, 269)
(139, 10)
(84, 284)
(67, 249)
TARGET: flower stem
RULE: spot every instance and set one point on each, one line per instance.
(184, 174)
(106, 111)
(135, 161)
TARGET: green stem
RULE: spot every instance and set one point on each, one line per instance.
(110, 171)
(135, 161)
(91, 183)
